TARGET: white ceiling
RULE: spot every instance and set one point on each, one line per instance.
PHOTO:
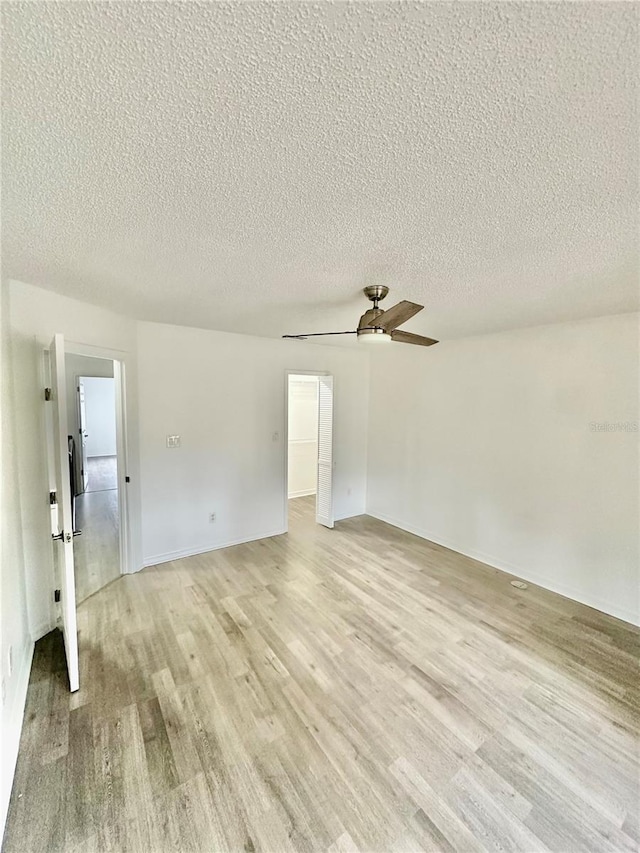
(250, 166)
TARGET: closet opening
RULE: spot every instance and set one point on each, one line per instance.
(309, 451)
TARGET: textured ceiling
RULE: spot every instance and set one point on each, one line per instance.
(250, 166)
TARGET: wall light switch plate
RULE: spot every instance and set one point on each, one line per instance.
(173, 441)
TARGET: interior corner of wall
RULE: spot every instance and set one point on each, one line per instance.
(42, 629)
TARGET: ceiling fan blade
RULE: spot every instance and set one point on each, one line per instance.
(397, 315)
(316, 335)
(409, 338)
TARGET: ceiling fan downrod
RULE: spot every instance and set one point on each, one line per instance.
(375, 292)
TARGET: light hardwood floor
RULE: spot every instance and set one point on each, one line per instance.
(97, 550)
(354, 689)
(102, 473)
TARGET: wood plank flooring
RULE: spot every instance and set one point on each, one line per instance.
(354, 689)
(102, 473)
(97, 550)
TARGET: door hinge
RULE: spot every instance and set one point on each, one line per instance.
(56, 595)
(47, 394)
(53, 498)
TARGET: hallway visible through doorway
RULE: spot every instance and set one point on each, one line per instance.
(92, 421)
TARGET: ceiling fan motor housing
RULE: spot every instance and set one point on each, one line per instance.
(368, 319)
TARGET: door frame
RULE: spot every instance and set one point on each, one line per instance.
(287, 374)
(119, 359)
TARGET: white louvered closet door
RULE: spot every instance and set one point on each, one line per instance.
(324, 494)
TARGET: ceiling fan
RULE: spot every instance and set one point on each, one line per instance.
(379, 326)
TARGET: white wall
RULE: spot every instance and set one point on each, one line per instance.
(224, 395)
(100, 411)
(14, 625)
(303, 435)
(486, 446)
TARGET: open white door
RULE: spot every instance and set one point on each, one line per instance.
(324, 494)
(64, 538)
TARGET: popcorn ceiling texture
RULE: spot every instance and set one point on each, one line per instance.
(250, 166)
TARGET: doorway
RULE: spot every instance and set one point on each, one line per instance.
(309, 471)
(62, 424)
(91, 414)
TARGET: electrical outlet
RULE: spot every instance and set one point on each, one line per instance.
(212, 517)
(275, 436)
(173, 441)
(10, 661)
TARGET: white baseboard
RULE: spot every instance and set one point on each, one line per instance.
(169, 556)
(611, 608)
(302, 494)
(11, 738)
